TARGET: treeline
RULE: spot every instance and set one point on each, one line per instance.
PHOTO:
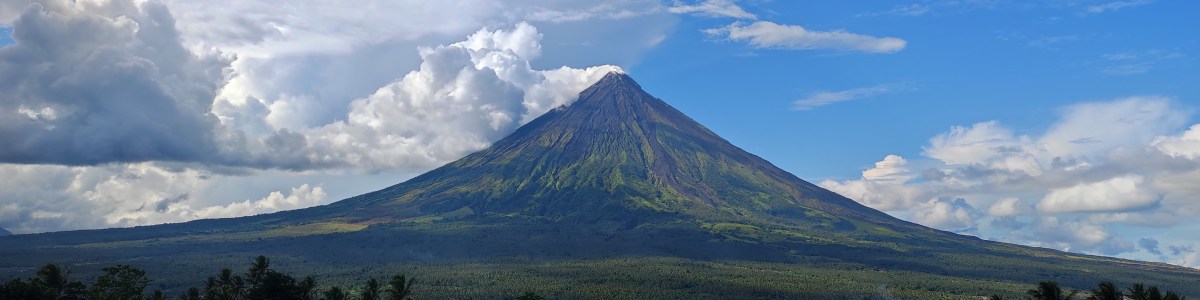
(259, 281)
(1106, 290)
(121, 282)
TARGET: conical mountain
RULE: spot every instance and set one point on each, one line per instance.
(620, 155)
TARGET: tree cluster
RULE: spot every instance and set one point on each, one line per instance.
(260, 282)
(119, 282)
(1106, 290)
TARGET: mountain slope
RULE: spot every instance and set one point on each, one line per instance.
(615, 152)
(616, 174)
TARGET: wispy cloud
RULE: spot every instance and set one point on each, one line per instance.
(935, 7)
(713, 8)
(763, 34)
(603, 11)
(909, 10)
(823, 98)
(1128, 69)
(1052, 42)
(1115, 6)
(938, 7)
(1136, 62)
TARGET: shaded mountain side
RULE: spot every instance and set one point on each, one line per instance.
(4, 232)
(616, 174)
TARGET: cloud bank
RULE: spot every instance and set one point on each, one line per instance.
(120, 111)
(123, 88)
(477, 91)
(1122, 161)
(42, 197)
(89, 83)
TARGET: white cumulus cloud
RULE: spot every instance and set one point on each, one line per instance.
(1129, 162)
(882, 187)
(954, 214)
(299, 197)
(1186, 145)
(1090, 129)
(1007, 207)
(890, 169)
(1075, 236)
(40, 198)
(1114, 194)
(93, 82)
(463, 97)
(976, 144)
(143, 95)
(129, 112)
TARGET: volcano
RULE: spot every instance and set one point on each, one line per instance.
(617, 175)
(623, 164)
(616, 155)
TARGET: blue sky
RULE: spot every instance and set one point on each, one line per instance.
(1063, 124)
(963, 64)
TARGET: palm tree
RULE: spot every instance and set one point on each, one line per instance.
(1107, 291)
(1171, 295)
(258, 269)
(1138, 292)
(51, 276)
(399, 288)
(192, 294)
(334, 293)
(224, 286)
(1153, 293)
(307, 288)
(1049, 290)
(371, 291)
(158, 295)
(119, 282)
(55, 282)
